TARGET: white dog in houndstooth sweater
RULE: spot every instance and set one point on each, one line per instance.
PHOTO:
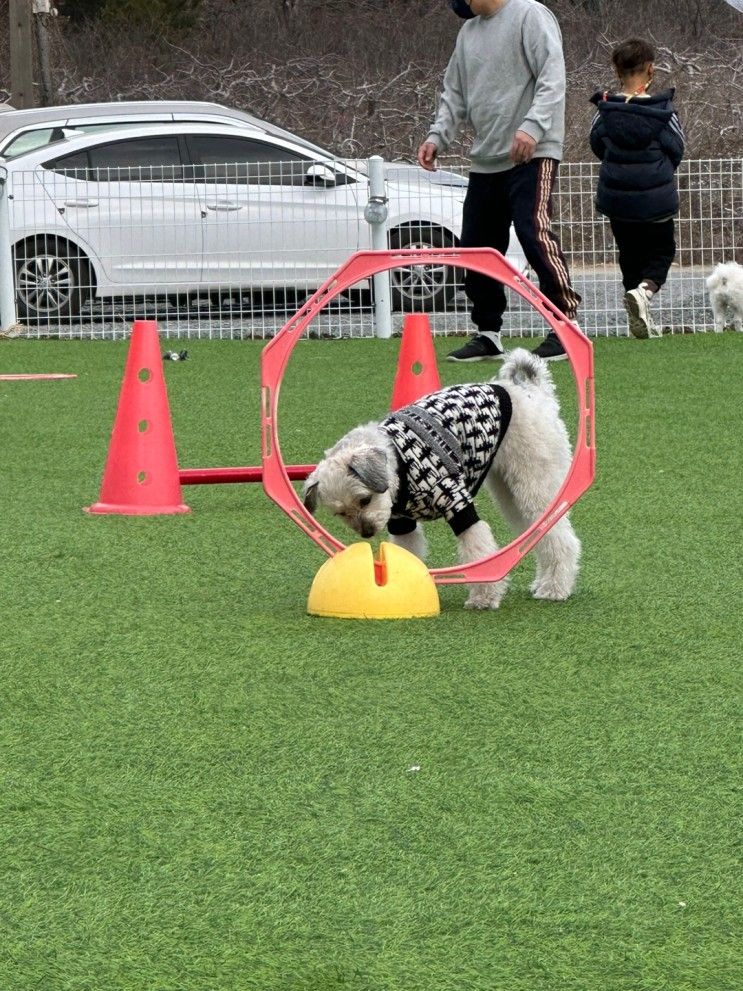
(725, 287)
(428, 460)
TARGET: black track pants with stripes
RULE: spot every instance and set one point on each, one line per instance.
(522, 196)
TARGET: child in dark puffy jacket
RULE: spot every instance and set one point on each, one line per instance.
(640, 142)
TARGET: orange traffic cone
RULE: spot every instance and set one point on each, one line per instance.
(417, 374)
(141, 474)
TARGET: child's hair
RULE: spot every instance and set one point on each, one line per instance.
(631, 56)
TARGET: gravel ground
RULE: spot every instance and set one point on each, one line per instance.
(682, 307)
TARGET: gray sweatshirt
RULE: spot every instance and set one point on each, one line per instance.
(506, 74)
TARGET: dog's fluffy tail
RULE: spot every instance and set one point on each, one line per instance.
(524, 368)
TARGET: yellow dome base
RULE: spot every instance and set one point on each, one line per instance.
(352, 585)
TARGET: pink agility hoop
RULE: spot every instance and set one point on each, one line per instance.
(363, 265)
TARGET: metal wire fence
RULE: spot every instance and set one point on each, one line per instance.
(231, 250)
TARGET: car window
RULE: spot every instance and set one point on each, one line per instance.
(222, 159)
(74, 166)
(31, 140)
(155, 158)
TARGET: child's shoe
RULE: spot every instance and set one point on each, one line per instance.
(637, 305)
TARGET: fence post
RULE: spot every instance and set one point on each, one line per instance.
(8, 315)
(375, 214)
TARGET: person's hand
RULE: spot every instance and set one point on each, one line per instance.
(522, 149)
(427, 156)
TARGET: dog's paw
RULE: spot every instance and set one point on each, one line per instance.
(543, 588)
(484, 597)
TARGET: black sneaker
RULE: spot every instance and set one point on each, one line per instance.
(480, 348)
(550, 349)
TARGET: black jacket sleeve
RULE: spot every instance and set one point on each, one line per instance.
(672, 140)
(596, 137)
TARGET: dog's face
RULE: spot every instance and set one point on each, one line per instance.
(353, 481)
(726, 275)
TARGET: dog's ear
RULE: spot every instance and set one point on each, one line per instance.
(309, 496)
(371, 469)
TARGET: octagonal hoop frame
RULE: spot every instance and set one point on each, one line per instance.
(487, 261)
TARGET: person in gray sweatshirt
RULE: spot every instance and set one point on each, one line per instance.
(506, 80)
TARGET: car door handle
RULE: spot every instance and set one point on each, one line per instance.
(84, 204)
(224, 205)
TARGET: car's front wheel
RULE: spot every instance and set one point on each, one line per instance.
(422, 288)
(53, 280)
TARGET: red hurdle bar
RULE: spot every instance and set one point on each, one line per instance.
(218, 476)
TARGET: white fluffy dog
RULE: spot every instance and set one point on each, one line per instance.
(725, 287)
(427, 461)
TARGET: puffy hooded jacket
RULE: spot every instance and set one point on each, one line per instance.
(640, 143)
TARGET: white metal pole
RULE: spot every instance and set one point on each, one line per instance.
(8, 315)
(376, 216)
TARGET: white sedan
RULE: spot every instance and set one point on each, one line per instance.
(189, 208)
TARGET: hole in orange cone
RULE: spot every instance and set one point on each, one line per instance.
(143, 426)
(417, 368)
(144, 374)
(142, 477)
(380, 572)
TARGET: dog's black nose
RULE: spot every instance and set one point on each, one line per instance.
(367, 530)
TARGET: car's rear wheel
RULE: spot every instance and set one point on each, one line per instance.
(423, 288)
(53, 280)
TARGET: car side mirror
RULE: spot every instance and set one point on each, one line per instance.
(320, 175)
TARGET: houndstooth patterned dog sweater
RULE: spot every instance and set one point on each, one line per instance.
(445, 444)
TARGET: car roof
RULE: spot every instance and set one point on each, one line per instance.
(12, 120)
(40, 115)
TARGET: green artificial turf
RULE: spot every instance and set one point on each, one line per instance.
(204, 789)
